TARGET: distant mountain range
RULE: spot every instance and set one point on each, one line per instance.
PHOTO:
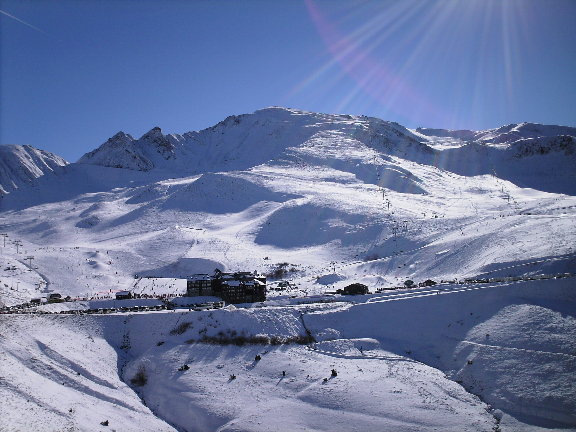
(242, 142)
(288, 186)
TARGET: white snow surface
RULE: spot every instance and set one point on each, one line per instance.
(323, 200)
(21, 165)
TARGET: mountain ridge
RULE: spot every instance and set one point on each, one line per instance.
(258, 135)
(20, 165)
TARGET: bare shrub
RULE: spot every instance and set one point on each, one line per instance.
(141, 377)
(371, 257)
(281, 270)
(181, 328)
(232, 338)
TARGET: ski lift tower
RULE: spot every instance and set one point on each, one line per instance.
(18, 244)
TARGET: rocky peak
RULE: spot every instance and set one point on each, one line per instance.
(121, 137)
(159, 140)
(153, 133)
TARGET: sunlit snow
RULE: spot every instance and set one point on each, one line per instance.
(331, 199)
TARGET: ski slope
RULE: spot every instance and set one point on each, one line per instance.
(325, 200)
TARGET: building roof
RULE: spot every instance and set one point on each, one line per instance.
(198, 277)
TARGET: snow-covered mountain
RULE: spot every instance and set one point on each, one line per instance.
(504, 134)
(388, 202)
(323, 200)
(123, 151)
(20, 165)
(242, 142)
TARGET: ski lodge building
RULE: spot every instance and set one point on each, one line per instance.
(239, 287)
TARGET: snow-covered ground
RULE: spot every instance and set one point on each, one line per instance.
(323, 201)
(466, 357)
(61, 375)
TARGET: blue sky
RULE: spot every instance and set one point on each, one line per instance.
(73, 73)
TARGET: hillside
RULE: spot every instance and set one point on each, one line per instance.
(403, 361)
(20, 165)
(322, 201)
(357, 196)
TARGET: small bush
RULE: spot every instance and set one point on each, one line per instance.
(181, 328)
(281, 270)
(141, 377)
(232, 338)
(371, 257)
(303, 339)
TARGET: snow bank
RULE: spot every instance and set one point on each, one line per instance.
(290, 387)
(59, 373)
(512, 345)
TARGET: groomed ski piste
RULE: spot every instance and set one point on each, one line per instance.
(319, 201)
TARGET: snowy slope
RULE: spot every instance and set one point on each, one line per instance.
(312, 190)
(20, 165)
(327, 200)
(401, 365)
(511, 344)
(62, 374)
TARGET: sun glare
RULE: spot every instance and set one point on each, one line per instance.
(417, 59)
